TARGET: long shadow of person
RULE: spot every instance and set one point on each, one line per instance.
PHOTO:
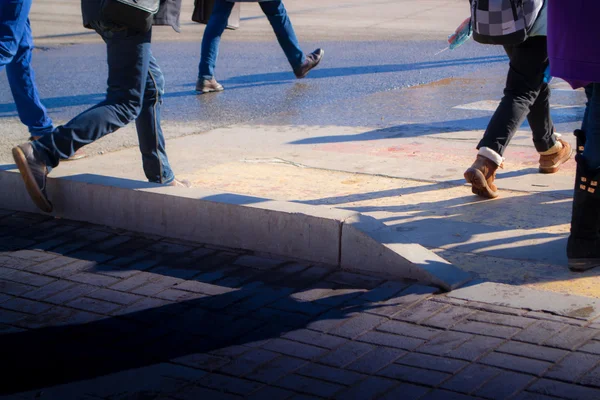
(56, 355)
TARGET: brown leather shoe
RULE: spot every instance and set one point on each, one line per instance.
(208, 85)
(312, 60)
(180, 183)
(481, 176)
(551, 163)
(34, 173)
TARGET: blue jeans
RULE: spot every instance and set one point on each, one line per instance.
(591, 126)
(277, 15)
(16, 46)
(135, 91)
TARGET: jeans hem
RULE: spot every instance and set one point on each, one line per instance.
(165, 181)
(42, 151)
(544, 145)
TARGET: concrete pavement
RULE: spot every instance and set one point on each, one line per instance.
(89, 312)
(405, 174)
(58, 23)
(384, 127)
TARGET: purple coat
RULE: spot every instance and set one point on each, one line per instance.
(574, 40)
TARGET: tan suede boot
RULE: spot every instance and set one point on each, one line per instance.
(550, 163)
(481, 176)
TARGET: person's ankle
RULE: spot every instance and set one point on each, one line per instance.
(491, 155)
(552, 150)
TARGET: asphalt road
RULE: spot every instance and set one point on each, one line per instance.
(258, 81)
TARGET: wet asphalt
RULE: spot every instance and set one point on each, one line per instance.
(257, 77)
(357, 84)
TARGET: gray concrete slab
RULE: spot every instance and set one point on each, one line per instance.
(565, 305)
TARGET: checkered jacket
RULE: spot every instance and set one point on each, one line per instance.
(503, 22)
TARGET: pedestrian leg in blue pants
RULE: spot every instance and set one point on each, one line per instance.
(284, 31)
(278, 17)
(16, 47)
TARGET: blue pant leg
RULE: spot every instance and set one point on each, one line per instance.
(151, 138)
(212, 37)
(591, 154)
(13, 19)
(286, 36)
(21, 79)
(589, 91)
(128, 57)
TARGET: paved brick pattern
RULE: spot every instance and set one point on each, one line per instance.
(88, 312)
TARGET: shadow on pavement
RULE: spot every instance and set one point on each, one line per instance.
(104, 180)
(56, 355)
(321, 73)
(524, 233)
(10, 109)
(355, 197)
(8, 167)
(420, 129)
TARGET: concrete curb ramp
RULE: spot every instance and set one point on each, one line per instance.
(318, 234)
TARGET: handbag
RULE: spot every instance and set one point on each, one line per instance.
(203, 10)
(137, 15)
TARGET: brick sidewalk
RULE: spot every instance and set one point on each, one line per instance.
(96, 313)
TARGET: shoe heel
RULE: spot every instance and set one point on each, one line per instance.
(583, 264)
(30, 185)
(478, 183)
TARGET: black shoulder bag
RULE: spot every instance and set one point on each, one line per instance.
(133, 14)
(203, 10)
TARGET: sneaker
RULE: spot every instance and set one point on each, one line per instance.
(551, 163)
(312, 60)
(208, 85)
(481, 176)
(180, 183)
(34, 173)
